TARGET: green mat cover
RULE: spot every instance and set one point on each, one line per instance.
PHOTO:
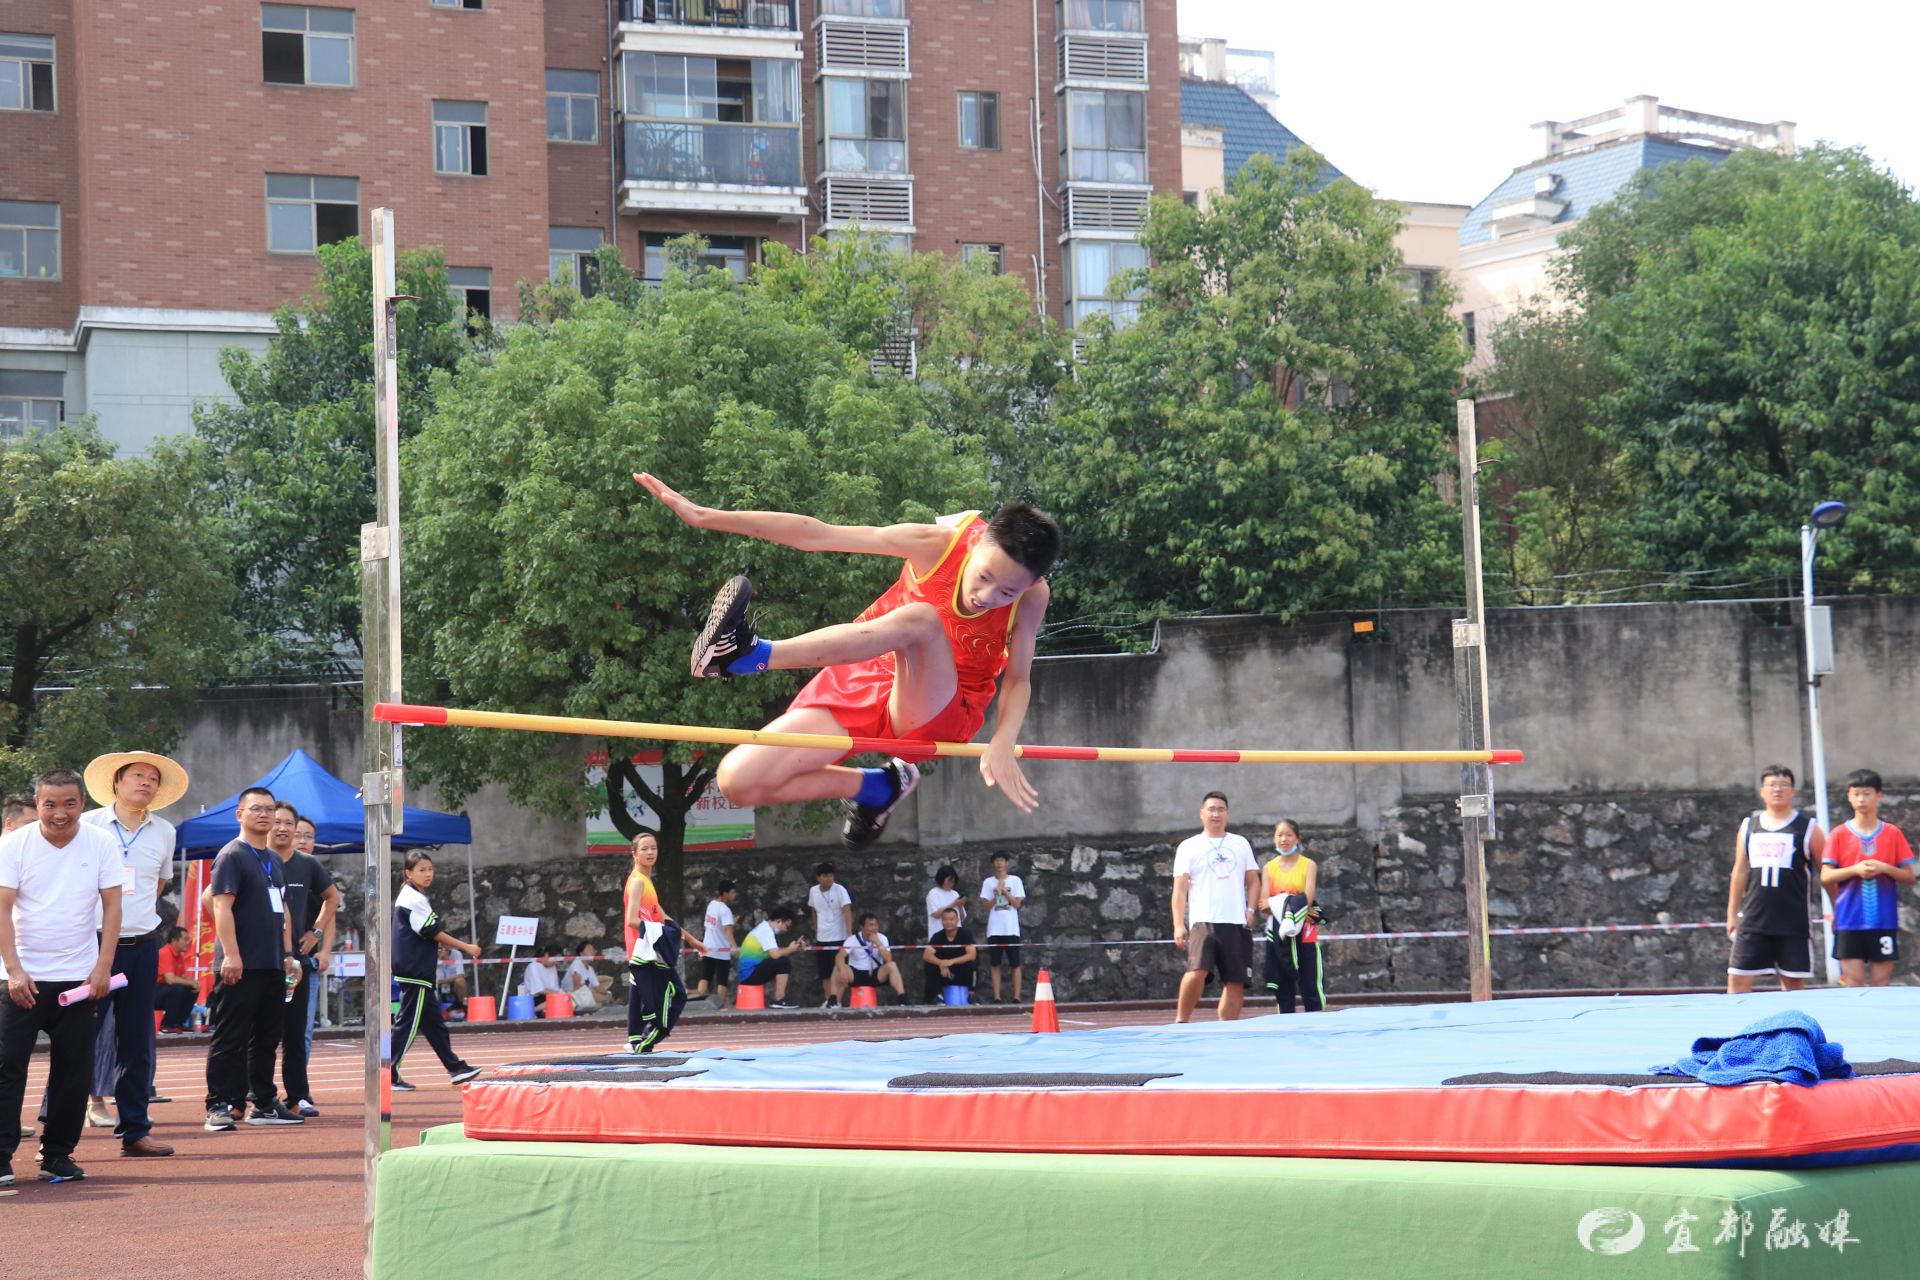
(533, 1210)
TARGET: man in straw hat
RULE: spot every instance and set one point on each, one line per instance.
(129, 786)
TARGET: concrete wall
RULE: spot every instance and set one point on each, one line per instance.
(143, 382)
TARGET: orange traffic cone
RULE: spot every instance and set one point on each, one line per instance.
(1046, 1017)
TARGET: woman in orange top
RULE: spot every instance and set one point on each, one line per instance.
(1293, 963)
(921, 662)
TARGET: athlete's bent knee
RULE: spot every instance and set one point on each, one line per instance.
(739, 783)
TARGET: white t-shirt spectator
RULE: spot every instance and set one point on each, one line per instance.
(939, 900)
(719, 917)
(1003, 919)
(580, 974)
(538, 979)
(829, 922)
(146, 862)
(57, 892)
(1216, 877)
(450, 966)
(864, 953)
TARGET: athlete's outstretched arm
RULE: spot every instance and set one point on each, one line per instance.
(923, 544)
(999, 767)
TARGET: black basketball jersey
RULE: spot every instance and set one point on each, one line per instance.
(1775, 901)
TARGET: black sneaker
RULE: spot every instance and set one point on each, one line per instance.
(273, 1113)
(465, 1073)
(862, 824)
(6, 1173)
(781, 1004)
(728, 631)
(60, 1169)
(219, 1119)
(401, 1086)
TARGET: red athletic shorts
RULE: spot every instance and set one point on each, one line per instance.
(857, 696)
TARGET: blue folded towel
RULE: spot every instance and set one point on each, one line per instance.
(1789, 1047)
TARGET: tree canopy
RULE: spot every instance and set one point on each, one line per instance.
(294, 448)
(1266, 436)
(114, 595)
(1759, 323)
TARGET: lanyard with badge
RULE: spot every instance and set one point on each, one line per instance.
(265, 859)
(127, 871)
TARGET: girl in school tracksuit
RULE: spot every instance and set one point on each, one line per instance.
(417, 939)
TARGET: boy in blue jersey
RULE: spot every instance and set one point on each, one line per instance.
(1866, 864)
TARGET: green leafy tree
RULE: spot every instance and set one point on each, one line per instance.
(1559, 481)
(113, 590)
(541, 578)
(1266, 436)
(296, 446)
(1760, 323)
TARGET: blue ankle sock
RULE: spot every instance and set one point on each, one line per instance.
(876, 788)
(754, 659)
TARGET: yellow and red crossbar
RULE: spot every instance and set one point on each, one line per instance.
(410, 714)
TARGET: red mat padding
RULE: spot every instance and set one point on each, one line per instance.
(1559, 1125)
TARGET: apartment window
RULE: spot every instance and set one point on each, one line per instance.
(30, 401)
(302, 45)
(730, 254)
(979, 121)
(865, 8)
(460, 138)
(570, 257)
(992, 254)
(1473, 334)
(29, 240)
(867, 126)
(1097, 268)
(472, 289)
(1105, 15)
(458, 4)
(26, 73)
(573, 106)
(305, 212)
(1106, 136)
(1420, 282)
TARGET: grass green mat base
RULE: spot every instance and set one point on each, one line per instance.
(451, 1207)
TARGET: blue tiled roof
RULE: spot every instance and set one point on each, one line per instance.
(1245, 127)
(1585, 180)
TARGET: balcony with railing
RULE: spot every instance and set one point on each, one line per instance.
(712, 166)
(736, 15)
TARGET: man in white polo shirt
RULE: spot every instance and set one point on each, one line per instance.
(53, 874)
(129, 786)
(1216, 893)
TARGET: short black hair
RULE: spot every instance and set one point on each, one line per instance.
(252, 791)
(1221, 796)
(865, 916)
(999, 857)
(1777, 771)
(782, 913)
(1864, 778)
(824, 869)
(58, 778)
(176, 933)
(18, 802)
(726, 886)
(288, 806)
(1028, 535)
(946, 872)
(416, 857)
(582, 948)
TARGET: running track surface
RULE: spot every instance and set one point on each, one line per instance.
(288, 1201)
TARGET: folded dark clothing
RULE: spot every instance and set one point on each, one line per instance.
(1788, 1047)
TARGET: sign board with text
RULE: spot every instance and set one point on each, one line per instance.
(516, 931)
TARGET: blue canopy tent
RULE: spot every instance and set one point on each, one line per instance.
(335, 807)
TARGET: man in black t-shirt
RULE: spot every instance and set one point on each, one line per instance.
(310, 895)
(247, 897)
(948, 958)
(1768, 899)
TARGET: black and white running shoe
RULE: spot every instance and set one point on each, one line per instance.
(864, 824)
(728, 632)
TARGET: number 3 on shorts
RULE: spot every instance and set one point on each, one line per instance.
(1886, 944)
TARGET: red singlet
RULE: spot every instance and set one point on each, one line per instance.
(857, 694)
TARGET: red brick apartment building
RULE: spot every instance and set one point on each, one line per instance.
(167, 167)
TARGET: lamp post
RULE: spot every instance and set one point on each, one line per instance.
(1827, 515)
